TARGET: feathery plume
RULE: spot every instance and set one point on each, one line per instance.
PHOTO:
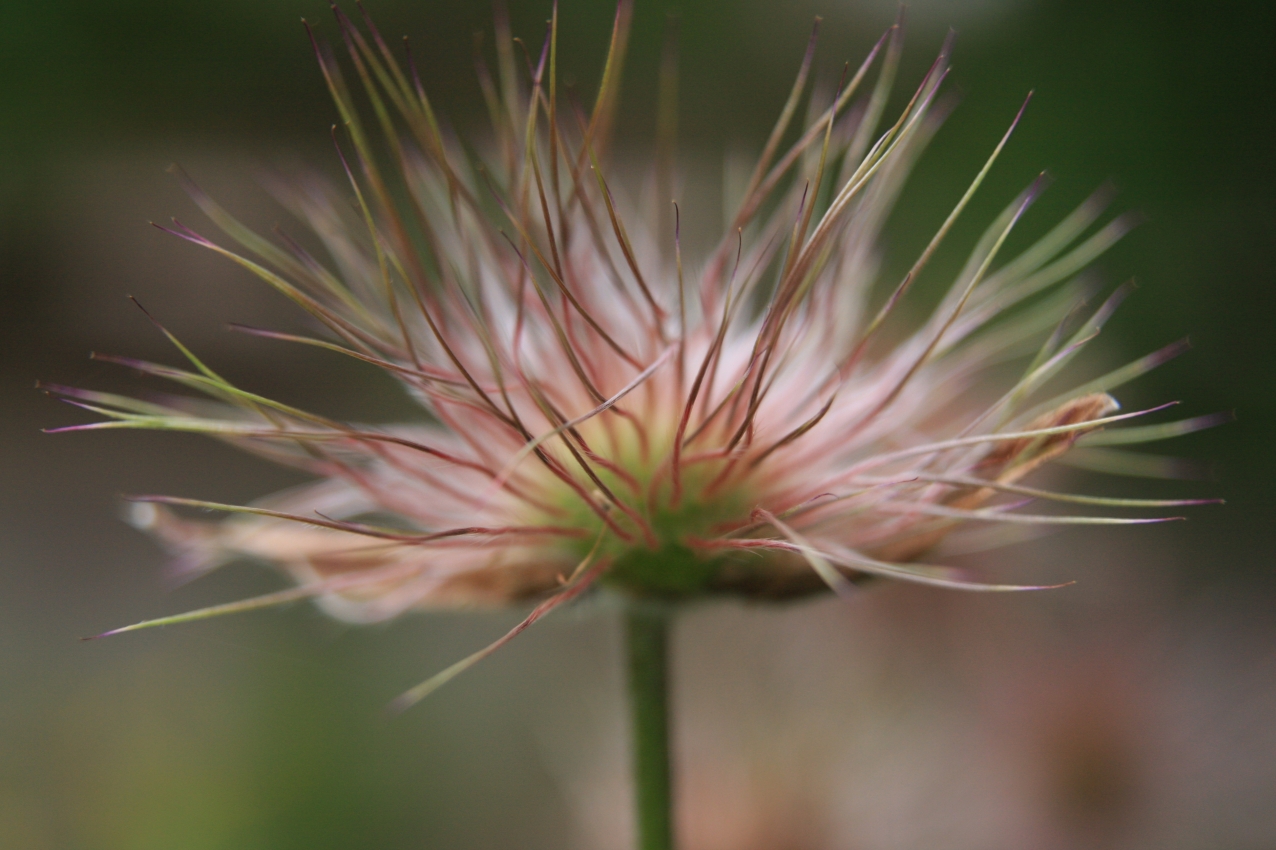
(608, 412)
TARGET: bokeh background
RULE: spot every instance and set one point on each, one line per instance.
(1133, 710)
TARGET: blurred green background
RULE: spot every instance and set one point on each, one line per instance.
(1131, 711)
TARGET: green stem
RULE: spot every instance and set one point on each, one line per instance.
(647, 641)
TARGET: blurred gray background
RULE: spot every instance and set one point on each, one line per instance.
(1133, 710)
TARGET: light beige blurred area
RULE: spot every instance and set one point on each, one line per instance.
(1099, 717)
(111, 205)
(1132, 710)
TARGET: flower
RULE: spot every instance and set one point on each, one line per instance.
(607, 412)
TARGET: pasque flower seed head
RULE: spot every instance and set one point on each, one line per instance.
(759, 421)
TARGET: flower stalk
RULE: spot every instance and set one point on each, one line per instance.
(647, 628)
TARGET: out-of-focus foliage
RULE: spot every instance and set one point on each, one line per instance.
(264, 732)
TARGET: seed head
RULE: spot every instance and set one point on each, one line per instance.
(757, 421)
